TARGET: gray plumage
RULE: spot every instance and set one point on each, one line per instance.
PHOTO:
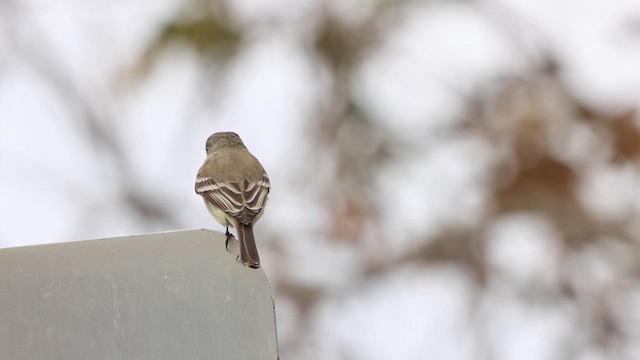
(234, 186)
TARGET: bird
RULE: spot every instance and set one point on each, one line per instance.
(234, 186)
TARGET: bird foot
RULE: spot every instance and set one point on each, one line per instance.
(226, 242)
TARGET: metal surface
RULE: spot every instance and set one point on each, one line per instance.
(177, 295)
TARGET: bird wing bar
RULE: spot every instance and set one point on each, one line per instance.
(255, 193)
(226, 196)
(242, 205)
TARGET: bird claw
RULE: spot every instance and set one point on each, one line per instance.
(226, 242)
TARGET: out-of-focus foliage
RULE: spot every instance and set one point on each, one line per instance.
(203, 27)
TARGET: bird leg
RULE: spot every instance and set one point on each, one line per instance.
(229, 236)
(226, 242)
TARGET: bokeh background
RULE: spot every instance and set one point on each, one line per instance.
(450, 179)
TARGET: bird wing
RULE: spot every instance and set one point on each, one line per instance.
(241, 201)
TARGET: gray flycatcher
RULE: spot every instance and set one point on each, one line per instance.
(234, 186)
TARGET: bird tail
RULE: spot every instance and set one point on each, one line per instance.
(248, 251)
